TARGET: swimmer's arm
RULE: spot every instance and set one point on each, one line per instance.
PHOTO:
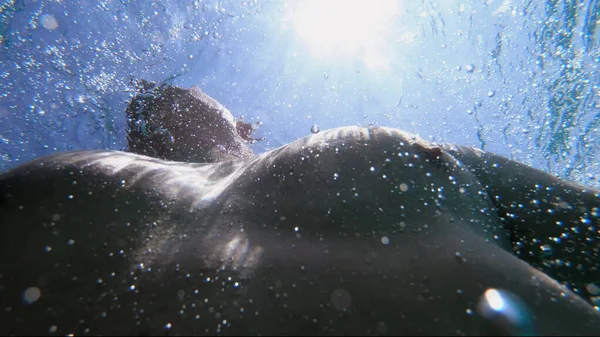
(554, 224)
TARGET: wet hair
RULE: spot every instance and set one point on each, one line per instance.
(172, 123)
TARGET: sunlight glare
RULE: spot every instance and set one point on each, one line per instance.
(345, 27)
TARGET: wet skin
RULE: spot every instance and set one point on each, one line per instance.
(349, 231)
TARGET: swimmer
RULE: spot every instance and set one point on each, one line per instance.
(353, 230)
(176, 124)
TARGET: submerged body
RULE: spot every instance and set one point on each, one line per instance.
(349, 231)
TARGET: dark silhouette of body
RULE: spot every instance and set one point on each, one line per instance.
(349, 231)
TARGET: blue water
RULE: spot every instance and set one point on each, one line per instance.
(518, 78)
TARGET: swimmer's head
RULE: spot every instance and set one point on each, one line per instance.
(177, 124)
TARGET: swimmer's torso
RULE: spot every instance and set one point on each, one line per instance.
(350, 231)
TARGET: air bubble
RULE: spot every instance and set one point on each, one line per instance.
(315, 129)
(506, 310)
(49, 22)
(31, 295)
(382, 328)
(341, 299)
(593, 289)
(546, 249)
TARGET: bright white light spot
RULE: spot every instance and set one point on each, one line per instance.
(346, 28)
(494, 299)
